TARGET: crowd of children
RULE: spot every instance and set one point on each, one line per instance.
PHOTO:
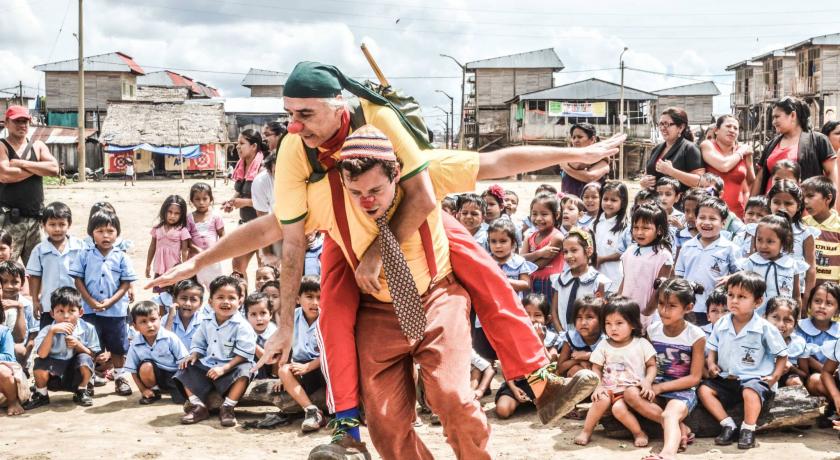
(671, 299)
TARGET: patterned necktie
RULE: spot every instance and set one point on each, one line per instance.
(407, 303)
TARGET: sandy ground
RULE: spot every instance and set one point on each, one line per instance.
(117, 427)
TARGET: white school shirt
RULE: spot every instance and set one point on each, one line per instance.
(705, 265)
(608, 243)
(778, 275)
(562, 284)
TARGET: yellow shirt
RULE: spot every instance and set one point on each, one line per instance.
(451, 172)
(826, 247)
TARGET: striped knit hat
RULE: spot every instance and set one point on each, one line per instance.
(367, 142)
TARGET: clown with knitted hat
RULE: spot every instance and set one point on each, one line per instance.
(349, 206)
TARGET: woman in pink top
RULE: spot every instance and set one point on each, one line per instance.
(732, 162)
(170, 239)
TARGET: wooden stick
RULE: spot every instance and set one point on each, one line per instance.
(379, 75)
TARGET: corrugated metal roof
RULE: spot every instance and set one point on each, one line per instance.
(775, 53)
(260, 77)
(252, 105)
(830, 39)
(592, 89)
(163, 78)
(748, 62)
(110, 62)
(57, 134)
(704, 88)
(539, 59)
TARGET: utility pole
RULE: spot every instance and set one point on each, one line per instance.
(451, 118)
(463, 88)
(446, 124)
(621, 116)
(180, 151)
(20, 91)
(81, 114)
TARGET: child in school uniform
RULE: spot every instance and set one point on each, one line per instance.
(756, 208)
(154, 355)
(817, 329)
(747, 357)
(783, 312)
(49, 264)
(715, 309)
(705, 259)
(221, 356)
(591, 197)
(577, 280)
(544, 247)
(579, 342)
(20, 317)
(572, 209)
(670, 193)
(64, 352)
(14, 385)
(611, 238)
(312, 258)
(302, 377)
(103, 275)
(258, 312)
(188, 310)
(481, 375)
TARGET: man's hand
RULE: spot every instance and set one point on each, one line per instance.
(177, 273)
(37, 309)
(605, 148)
(367, 273)
(276, 348)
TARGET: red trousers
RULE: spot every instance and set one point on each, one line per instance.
(386, 362)
(497, 305)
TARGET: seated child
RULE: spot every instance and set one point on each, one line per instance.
(154, 355)
(747, 357)
(831, 380)
(258, 312)
(20, 317)
(818, 329)
(302, 376)
(312, 258)
(624, 360)
(715, 309)
(481, 375)
(514, 393)
(820, 195)
(64, 352)
(773, 249)
(783, 312)
(679, 349)
(221, 356)
(265, 274)
(187, 310)
(14, 386)
(580, 341)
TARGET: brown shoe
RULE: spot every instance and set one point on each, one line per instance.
(197, 414)
(343, 447)
(226, 416)
(561, 395)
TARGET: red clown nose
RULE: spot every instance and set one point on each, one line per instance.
(368, 202)
(295, 127)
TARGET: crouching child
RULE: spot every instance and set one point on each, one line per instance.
(221, 355)
(14, 387)
(64, 352)
(154, 355)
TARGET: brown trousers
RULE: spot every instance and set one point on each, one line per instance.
(386, 360)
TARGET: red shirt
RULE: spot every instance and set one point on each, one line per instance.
(735, 193)
(778, 154)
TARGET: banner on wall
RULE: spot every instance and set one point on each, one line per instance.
(577, 109)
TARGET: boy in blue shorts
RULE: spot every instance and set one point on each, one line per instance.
(747, 357)
(103, 275)
(154, 355)
(20, 317)
(221, 355)
(49, 265)
(65, 351)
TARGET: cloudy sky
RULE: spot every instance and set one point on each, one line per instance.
(217, 41)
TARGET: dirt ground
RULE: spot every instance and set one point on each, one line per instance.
(117, 427)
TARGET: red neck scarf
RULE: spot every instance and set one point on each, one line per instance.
(333, 144)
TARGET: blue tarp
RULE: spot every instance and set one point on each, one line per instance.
(189, 151)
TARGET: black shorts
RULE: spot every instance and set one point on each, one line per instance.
(312, 381)
(112, 332)
(165, 380)
(729, 391)
(65, 374)
(195, 379)
(523, 385)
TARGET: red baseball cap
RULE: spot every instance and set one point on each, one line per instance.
(17, 111)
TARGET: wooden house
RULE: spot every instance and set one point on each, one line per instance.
(160, 135)
(496, 81)
(778, 73)
(695, 98)
(747, 92)
(108, 77)
(265, 83)
(817, 76)
(544, 117)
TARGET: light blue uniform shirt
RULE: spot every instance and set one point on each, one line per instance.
(797, 348)
(163, 299)
(815, 338)
(312, 259)
(32, 324)
(705, 265)
(53, 267)
(263, 336)
(305, 343)
(166, 352)
(186, 333)
(219, 343)
(481, 236)
(586, 221)
(102, 276)
(778, 275)
(7, 345)
(515, 266)
(84, 332)
(831, 350)
(749, 354)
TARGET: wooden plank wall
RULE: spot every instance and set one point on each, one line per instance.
(267, 91)
(497, 86)
(62, 89)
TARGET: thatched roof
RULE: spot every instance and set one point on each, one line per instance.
(133, 123)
